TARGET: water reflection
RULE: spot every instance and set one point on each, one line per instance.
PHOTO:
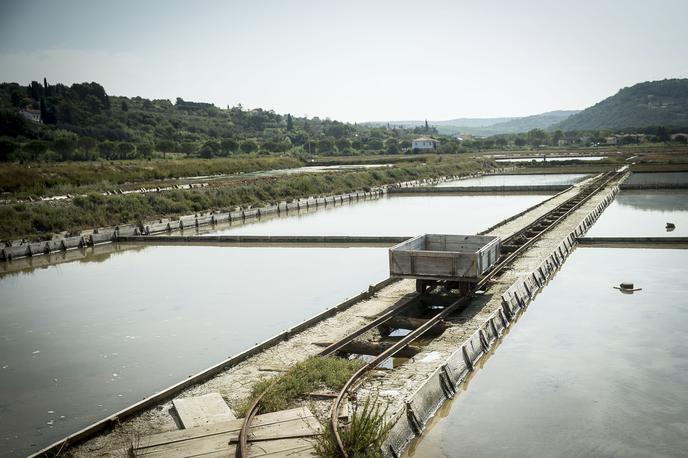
(644, 214)
(552, 159)
(517, 180)
(658, 178)
(398, 216)
(81, 340)
(595, 373)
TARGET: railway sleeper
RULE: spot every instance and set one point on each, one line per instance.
(359, 347)
(406, 322)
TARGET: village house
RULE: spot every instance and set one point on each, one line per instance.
(31, 115)
(425, 144)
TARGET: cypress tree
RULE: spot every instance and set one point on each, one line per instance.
(290, 122)
(43, 110)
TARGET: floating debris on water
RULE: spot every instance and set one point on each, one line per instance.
(627, 288)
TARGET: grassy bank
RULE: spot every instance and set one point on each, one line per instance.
(316, 373)
(40, 219)
(39, 179)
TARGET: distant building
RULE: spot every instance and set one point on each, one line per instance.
(425, 143)
(31, 115)
(610, 140)
(464, 137)
(680, 137)
(563, 142)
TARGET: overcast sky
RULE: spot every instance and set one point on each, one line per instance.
(351, 60)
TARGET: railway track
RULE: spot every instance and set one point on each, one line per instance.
(512, 247)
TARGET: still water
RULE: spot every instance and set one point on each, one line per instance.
(517, 180)
(397, 216)
(84, 339)
(658, 178)
(595, 373)
(644, 214)
(552, 159)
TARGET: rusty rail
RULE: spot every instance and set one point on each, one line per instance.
(586, 192)
(579, 199)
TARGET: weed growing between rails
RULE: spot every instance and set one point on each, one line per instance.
(363, 437)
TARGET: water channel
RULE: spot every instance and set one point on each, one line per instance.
(83, 339)
(644, 214)
(517, 180)
(552, 159)
(590, 373)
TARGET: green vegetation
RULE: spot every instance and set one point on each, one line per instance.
(318, 372)
(68, 177)
(40, 219)
(363, 437)
(653, 103)
(82, 122)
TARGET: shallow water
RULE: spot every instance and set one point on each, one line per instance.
(595, 373)
(397, 216)
(517, 180)
(644, 214)
(82, 340)
(658, 178)
(552, 159)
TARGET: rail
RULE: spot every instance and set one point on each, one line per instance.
(525, 238)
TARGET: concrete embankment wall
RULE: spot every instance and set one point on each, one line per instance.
(20, 249)
(442, 384)
(263, 240)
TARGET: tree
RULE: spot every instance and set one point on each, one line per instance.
(108, 149)
(228, 146)
(35, 148)
(188, 148)
(166, 146)
(209, 149)
(248, 146)
(290, 123)
(86, 143)
(145, 149)
(123, 106)
(7, 148)
(65, 146)
(427, 128)
(537, 137)
(126, 150)
(392, 146)
(326, 145)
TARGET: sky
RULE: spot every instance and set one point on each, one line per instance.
(351, 60)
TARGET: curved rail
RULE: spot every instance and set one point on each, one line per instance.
(242, 448)
(579, 199)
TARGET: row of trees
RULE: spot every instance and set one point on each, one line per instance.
(82, 122)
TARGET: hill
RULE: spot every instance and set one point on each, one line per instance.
(56, 122)
(487, 126)
(653, 103)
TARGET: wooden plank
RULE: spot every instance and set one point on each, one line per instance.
(221, 437)
(285, 447)
(221, 427)
(202, 410)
